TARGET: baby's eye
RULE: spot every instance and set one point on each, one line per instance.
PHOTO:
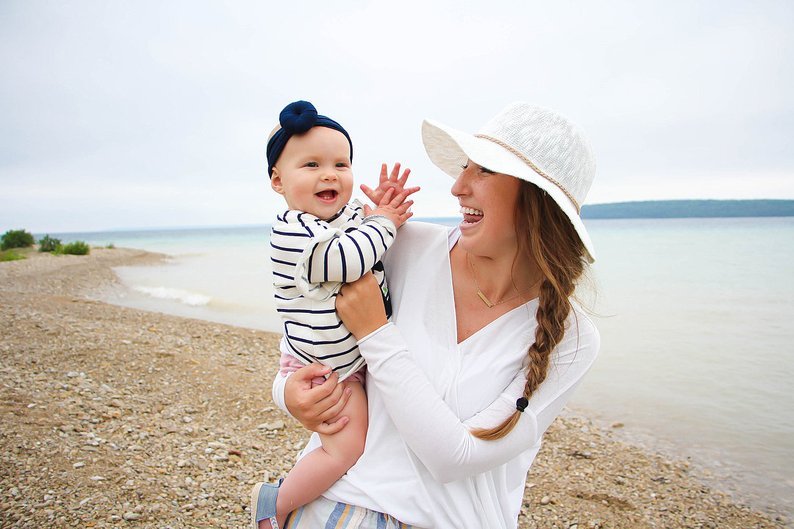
(341, 164)
(464, 166)
(486, 170)
(312, 164)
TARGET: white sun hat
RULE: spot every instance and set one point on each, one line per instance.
(529, 142)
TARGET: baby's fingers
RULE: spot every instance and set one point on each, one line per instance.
(405, 206)
(404, 177)
(395, 173)
(405, 216)
(411, 190)
(399, 198)
(386, 199)
(369, 193)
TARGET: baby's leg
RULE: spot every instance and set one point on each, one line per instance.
(322, 467)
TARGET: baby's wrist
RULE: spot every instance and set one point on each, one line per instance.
(391, 217)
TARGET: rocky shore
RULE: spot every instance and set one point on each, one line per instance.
(115, 417)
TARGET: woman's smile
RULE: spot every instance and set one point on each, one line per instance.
(471, 216)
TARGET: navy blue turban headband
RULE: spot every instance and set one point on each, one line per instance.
(297, 118)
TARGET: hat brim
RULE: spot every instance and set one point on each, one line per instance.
(449, 149)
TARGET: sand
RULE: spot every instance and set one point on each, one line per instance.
(116, 417)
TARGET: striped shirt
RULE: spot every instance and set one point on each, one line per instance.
(311, 260)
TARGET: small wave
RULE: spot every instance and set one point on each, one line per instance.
(183, 296)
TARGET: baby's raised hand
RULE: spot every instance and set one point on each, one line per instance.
(389, 181)
(393, 206)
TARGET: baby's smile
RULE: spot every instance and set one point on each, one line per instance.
(328, 195)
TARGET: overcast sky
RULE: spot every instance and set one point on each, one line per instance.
(156, 113)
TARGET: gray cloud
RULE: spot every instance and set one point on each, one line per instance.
(152, 114)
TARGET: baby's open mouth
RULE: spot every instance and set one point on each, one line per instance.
(328, 194)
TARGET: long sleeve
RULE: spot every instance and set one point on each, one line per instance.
(318, 256)
(501, 408)
(345, 256)
(437, 436)
(491, 416)
(279, 384)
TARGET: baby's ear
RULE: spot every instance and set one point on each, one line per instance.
(275, 182)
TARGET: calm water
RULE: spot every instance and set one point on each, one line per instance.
(697, 344)
(695, 316)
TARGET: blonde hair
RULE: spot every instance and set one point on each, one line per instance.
(547, 238)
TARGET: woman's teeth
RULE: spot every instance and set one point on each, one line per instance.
(471, 216)
(470, 211)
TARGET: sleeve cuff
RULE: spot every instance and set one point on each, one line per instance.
(279, 383)
(383, 221)
(375, 332)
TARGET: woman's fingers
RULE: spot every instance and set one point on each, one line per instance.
(325, 390)
(333, 412)
(330, 428)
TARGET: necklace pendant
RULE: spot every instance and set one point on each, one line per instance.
(484, 299)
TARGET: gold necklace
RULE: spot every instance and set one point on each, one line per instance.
(484, 298)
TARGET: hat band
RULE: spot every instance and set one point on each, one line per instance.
(532, 166)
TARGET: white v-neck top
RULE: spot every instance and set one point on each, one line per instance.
(425, 391)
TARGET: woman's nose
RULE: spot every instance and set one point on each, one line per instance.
(461, 184)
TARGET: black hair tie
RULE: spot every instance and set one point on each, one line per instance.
(521, 404)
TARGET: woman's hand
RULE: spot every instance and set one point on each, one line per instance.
(316, 407)
(360, 306)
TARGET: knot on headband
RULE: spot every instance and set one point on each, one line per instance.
(297, 118)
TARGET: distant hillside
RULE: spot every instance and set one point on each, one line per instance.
(665, 209)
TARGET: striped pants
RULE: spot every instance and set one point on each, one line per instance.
(326, 514)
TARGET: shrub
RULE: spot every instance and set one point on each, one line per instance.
(110, 246)
(76, 248)
(48, 244)
(10, 255)
(16, 239)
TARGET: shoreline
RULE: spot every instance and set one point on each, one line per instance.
(113, 415)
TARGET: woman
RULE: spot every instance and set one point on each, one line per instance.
(484, 347)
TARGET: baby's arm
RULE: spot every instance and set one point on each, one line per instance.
(344, 256)
(314, 256)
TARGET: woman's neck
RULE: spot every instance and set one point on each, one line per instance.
(499, 279)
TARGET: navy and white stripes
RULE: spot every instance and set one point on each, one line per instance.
(311, 260)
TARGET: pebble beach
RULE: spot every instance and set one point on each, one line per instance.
(117, 417)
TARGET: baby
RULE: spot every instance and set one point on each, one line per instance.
(319, 243)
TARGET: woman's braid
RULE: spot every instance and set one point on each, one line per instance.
(547, 238)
